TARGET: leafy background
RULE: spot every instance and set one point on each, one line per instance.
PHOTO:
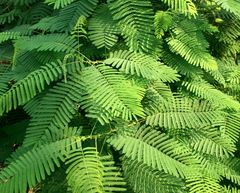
(119, 96)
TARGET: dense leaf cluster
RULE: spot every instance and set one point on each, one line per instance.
(119, 96)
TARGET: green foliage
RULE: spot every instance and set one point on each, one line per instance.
(135, 20)
(111, 92)
(183, 6)
(119, 96)
(141, 65)
(103, 30)
(89, 172)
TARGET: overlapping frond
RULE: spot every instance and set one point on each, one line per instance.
(229, 189)
(189, 42)
(135, 19)
(162, 22)
(14, 33)
(103, 30)
(147, 88)
(205, 90)
(90, 172)
(143, 178)
(32, 166)
(156, 150)
(55, 110)
(183, 113)
(110, 90)
(59, 3)
(186, 7)
(33, 83)
(230, 5)
(203, 184)
(9, 16)
(67, 17)
(53, 42)
(212, 141)
(141, 65)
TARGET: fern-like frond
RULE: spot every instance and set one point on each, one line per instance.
(141, 65)
(202, 184)
(67, 17)
(156, 92)
(53, 42)
(55, 110)
(212, 141)
(90, 172)
(186, 7)
(14, 33)
(135, 19)
(9, 16)
(229, 30)
(232, 122)
(227, 168)
(183, 113)
(233, 76)
(59, 3)
(180, 64)
(190, 43)
(110, 90)
(229, 189)
(229, 5)
(162, 22)
(143, 178)
(156, 150)
(103, 30)
(27, 88)
(32, 166)
(38, 11)
(205, 90)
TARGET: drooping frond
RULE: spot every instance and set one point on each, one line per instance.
(156, 150)
(212, 141)
(189, 42)
(135, 19)
(177, 62)
(103, 30)
(34, 83)
(53, 42)
(205, 90)
(183, 113)
(230, 189)
(143, 178)
(141, 65)
(186, 7)
(202, 184)
(156, 92)
(232, 122)
(55, 110)
(38, 11)
(9, 17)
(90, 172)
(111, 91)
(229, 30)
(67, 17)
(233, 76)
(14, 33)
(230, 5)
(59, 3)
(162, 22)
(32, 166)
